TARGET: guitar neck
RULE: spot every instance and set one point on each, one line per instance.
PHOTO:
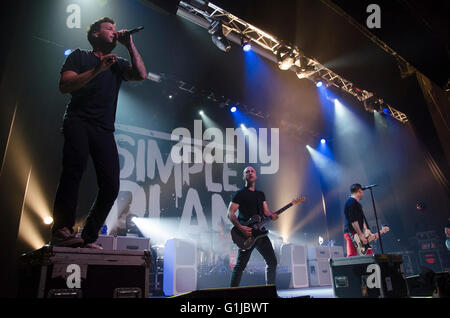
(266, 219)
(287, 206)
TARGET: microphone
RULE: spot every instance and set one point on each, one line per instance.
(129, 32)
(369, 186)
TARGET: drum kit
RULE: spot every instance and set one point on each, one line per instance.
(216, 252)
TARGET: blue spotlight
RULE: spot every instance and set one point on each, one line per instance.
(243, 126)
(67, 52)
(246, 45)
(319, 84)
(323, 140)
(233, 109)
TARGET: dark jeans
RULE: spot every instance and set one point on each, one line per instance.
(82, 139)
(264, 247)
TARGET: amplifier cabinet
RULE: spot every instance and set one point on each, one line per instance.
(370, 276)
(107, 242)
(65, 272)
(121, 243)
(132, 243)
(336, 251)
(316, 252)
(319, 273)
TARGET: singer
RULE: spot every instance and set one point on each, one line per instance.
(355, 221)
(93, 78)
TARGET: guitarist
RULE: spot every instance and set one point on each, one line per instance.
(249, 202)
(355, 221)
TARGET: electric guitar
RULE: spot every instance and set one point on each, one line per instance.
(256, 222)
(363, 249)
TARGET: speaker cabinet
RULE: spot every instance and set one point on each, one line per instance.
(180, 267)
(318, 252)
(336, 251)
(319, 273)
(106, 241)
(132, 243)
(294, 257)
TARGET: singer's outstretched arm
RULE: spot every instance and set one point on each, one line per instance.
(137, 71)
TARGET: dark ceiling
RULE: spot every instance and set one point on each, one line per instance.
(415, 29)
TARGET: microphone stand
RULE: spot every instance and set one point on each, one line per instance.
(376, 220)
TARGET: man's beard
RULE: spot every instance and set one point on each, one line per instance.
(106, 47)
(110, 46)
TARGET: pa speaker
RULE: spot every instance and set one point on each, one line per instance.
(180, 267)
(294, 257)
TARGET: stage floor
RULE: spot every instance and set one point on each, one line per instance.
(313, 292)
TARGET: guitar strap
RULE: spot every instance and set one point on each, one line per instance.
(260, 207)
(365, 220)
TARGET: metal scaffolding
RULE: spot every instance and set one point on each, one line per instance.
(235, 29)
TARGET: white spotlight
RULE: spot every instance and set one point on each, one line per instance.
(48, 220)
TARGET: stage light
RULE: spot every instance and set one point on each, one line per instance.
(131, 225)
(246, 45)
(67, 52)
(218, 37)
(48, 220)
(243, 126)
(202, 5)
(320, 240)
(304, 69)
(301, 75)
(286, 58)
(322, 140)
(233, 109)
(201, 113)
(319, 84)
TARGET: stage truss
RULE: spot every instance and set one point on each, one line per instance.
(204, 13)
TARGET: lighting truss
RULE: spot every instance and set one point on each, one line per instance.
(397, 114)
(238, 28)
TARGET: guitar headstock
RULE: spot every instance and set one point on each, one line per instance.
(298, 200)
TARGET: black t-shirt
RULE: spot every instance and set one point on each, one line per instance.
(95, 102)
(353, 212)
(250, 203)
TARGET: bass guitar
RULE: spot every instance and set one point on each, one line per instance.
(257, 223)
(363, 249)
